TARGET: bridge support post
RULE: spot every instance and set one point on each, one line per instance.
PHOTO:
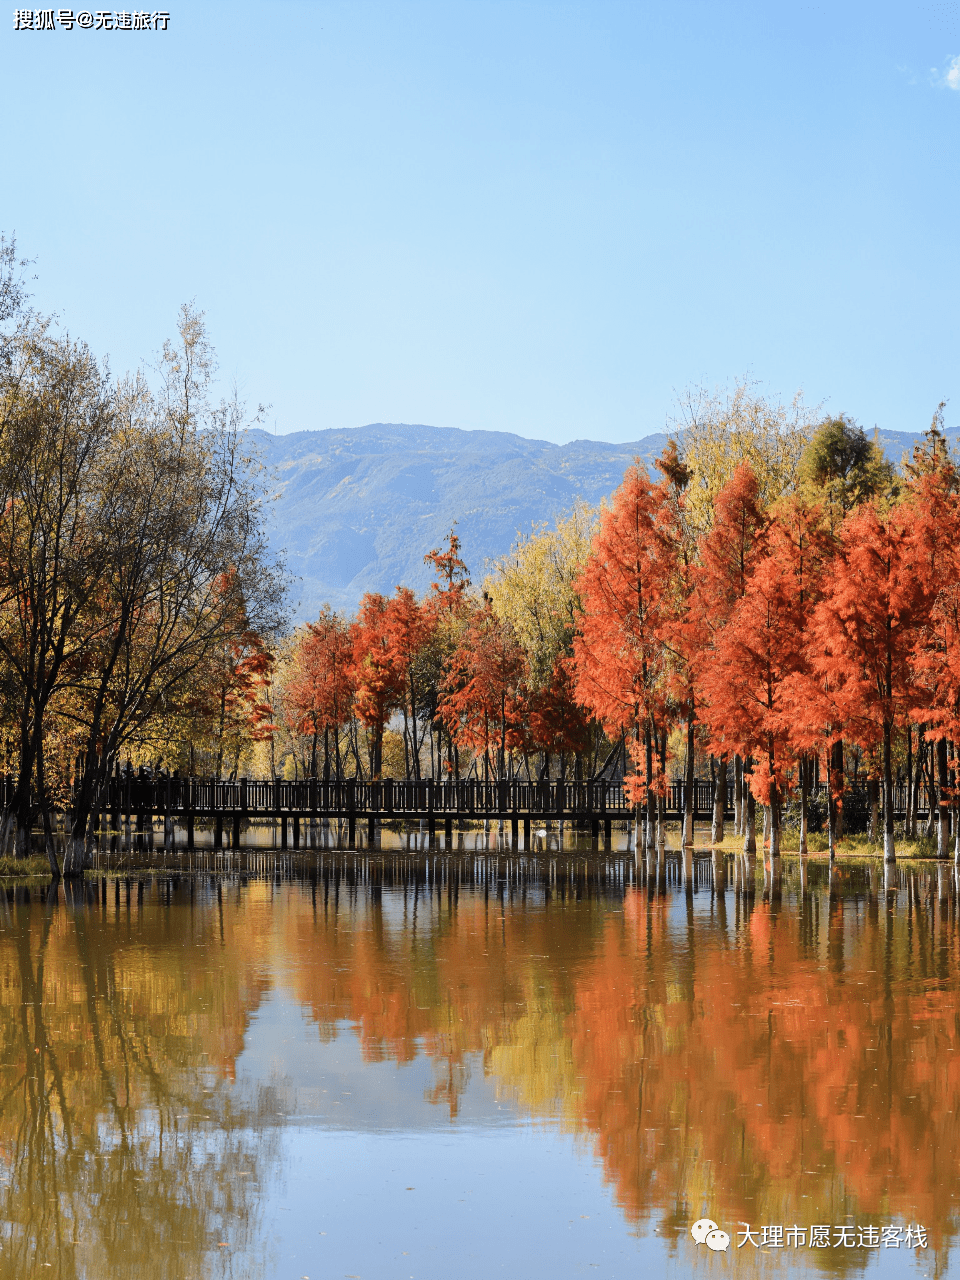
(448, 832)
(283, 831)
(218, 832)
(296, 831)
(236, 831)
(607, 825)
(190, 829)
(526, 834)
(514, 830)
(371, 830)
(352, 828)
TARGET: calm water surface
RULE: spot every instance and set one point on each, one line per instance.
(419, 1068)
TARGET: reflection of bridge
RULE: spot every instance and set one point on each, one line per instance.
(590, 806)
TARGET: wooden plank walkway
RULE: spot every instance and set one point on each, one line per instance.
(592, 805)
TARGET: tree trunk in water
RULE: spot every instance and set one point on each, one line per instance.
(774, 821)
(804, 792)
(75, 855)
(917, 784)
(943, 812)
(49, 844)
(873, 790)
(719, 802)
(832, 824)
(737, 796)
(650, 833)
(750, 813)
(889, 852)
(767, 825)
(688, 802)
(836, 783)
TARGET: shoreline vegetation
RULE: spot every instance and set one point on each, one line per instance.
(850, 850)
(775, 607)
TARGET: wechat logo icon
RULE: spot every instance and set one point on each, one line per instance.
(705, 1231)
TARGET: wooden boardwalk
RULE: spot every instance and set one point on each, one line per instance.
(230, 804)
(182, 802)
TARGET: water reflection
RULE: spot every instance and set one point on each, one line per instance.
(758, 1042)
(122, 1149)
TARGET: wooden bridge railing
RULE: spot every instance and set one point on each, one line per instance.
(386, 799)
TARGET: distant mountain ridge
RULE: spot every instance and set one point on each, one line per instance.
(358, 508)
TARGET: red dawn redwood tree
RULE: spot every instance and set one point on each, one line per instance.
(410, 629)
(863, 633)
(747, 680)
(617, 652)
(676, 624)
(725, 558)
(936, 657)
(482, 699)
(555, 719)
(378, 678)
(320, 691)
(449, 588)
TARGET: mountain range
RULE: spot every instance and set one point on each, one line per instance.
(356, 509)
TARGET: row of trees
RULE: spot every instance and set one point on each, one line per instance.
(778, 598)
(456, 683)
(137, 595)
(783, 611)
(782, 631)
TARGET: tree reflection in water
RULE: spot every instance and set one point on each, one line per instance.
(122, 1147)
(759, 1043)
(768, 1044)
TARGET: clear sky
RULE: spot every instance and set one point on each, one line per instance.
(547, 218)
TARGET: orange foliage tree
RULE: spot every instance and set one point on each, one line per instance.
(320, 691)
(761, 646)
(617, 654)
(377, 675)
(482, 699)
(874, 612)
(411, 627)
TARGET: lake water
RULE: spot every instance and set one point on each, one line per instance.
(415, 1067)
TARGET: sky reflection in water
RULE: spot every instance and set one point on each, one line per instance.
(489, 1066)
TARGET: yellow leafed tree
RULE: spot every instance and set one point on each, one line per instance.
(719, 430)
(532, 588)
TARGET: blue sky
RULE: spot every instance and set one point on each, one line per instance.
(547, 218)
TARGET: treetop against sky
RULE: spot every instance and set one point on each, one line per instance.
(536, 217)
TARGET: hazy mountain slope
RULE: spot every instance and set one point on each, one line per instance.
(358, 508)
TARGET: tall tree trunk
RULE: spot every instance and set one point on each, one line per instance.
(737, 796)
(804, 766)
(688, 800)
(750, 811)
(837, 783)
(943, 802)
(719, 802)
(889, 852)
(873, 791)
(650, 832)
(44, 801)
